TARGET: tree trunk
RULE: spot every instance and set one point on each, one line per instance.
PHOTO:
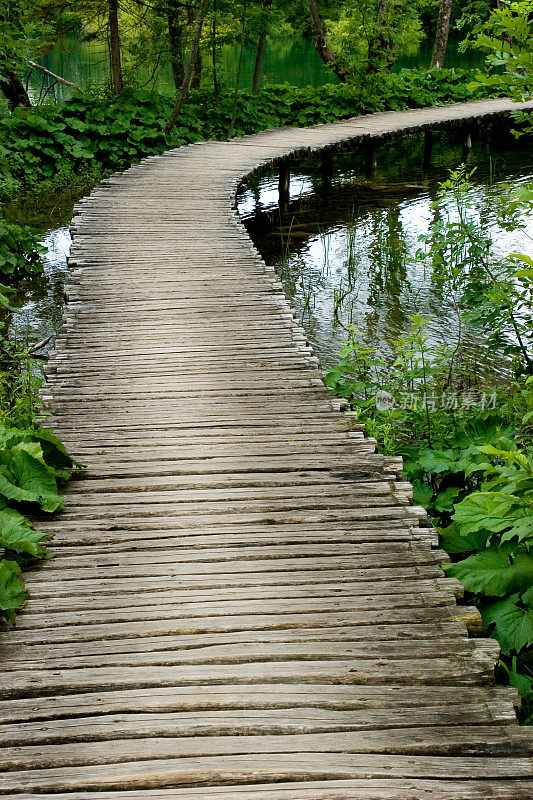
(57, 78)
(261, 47)
(13, 90)
(114, 48)
(197, 71)
(258, 66)
(214, 53)
(175, 38)
(184, 91)
(329, 58)
(441, 36)
(377, 46)
(239, 72)
(196, 76)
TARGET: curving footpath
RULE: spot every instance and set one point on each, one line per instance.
(243, 604)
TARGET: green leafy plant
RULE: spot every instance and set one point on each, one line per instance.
(33, 464)
(492, 292)
(508, 42)
(12, 591)
(494, 524)
(20, 251)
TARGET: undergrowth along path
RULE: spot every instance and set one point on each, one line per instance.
(243, 603)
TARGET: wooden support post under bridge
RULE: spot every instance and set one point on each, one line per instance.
(284, 187)
(326, 170)
(371, 161)
(428, 149)
(467, 143)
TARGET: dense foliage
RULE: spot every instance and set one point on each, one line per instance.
(154, 38)
(32, 461)
(508, 41)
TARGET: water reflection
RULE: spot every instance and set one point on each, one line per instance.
(347, 254)
(41, 297)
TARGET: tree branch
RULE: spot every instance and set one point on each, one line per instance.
(58, 78)
(190, 67)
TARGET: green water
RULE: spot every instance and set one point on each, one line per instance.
(293, 61)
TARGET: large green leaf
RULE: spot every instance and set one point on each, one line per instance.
(454, 542)
(46, 435)
(491, 511)
(35, 449)
(54, 451)
(42, 444)
(422, 493)
(445, 500)
(12, 592)
(17, 534)
(437, 461)
(513, 624)
(521, 529)
(494, 573)
(527, 597)
(26, 480)
(522, 683)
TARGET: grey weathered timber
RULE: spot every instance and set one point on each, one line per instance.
(243, 604)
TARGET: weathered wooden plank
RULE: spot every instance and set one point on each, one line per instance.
(41, 587)
(259, 722)
(194, 698)
(451, 631)
(445, 590)
(468, 741)
(359, 555)
(258, 768)
(308, 648)
(476, 668)
(362, 789)
(165, 626)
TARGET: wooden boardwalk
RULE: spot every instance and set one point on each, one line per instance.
(243, 604)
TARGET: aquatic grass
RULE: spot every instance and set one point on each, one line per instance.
(352, 256)
(308, 295)
(325, 241)
(340, 293)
